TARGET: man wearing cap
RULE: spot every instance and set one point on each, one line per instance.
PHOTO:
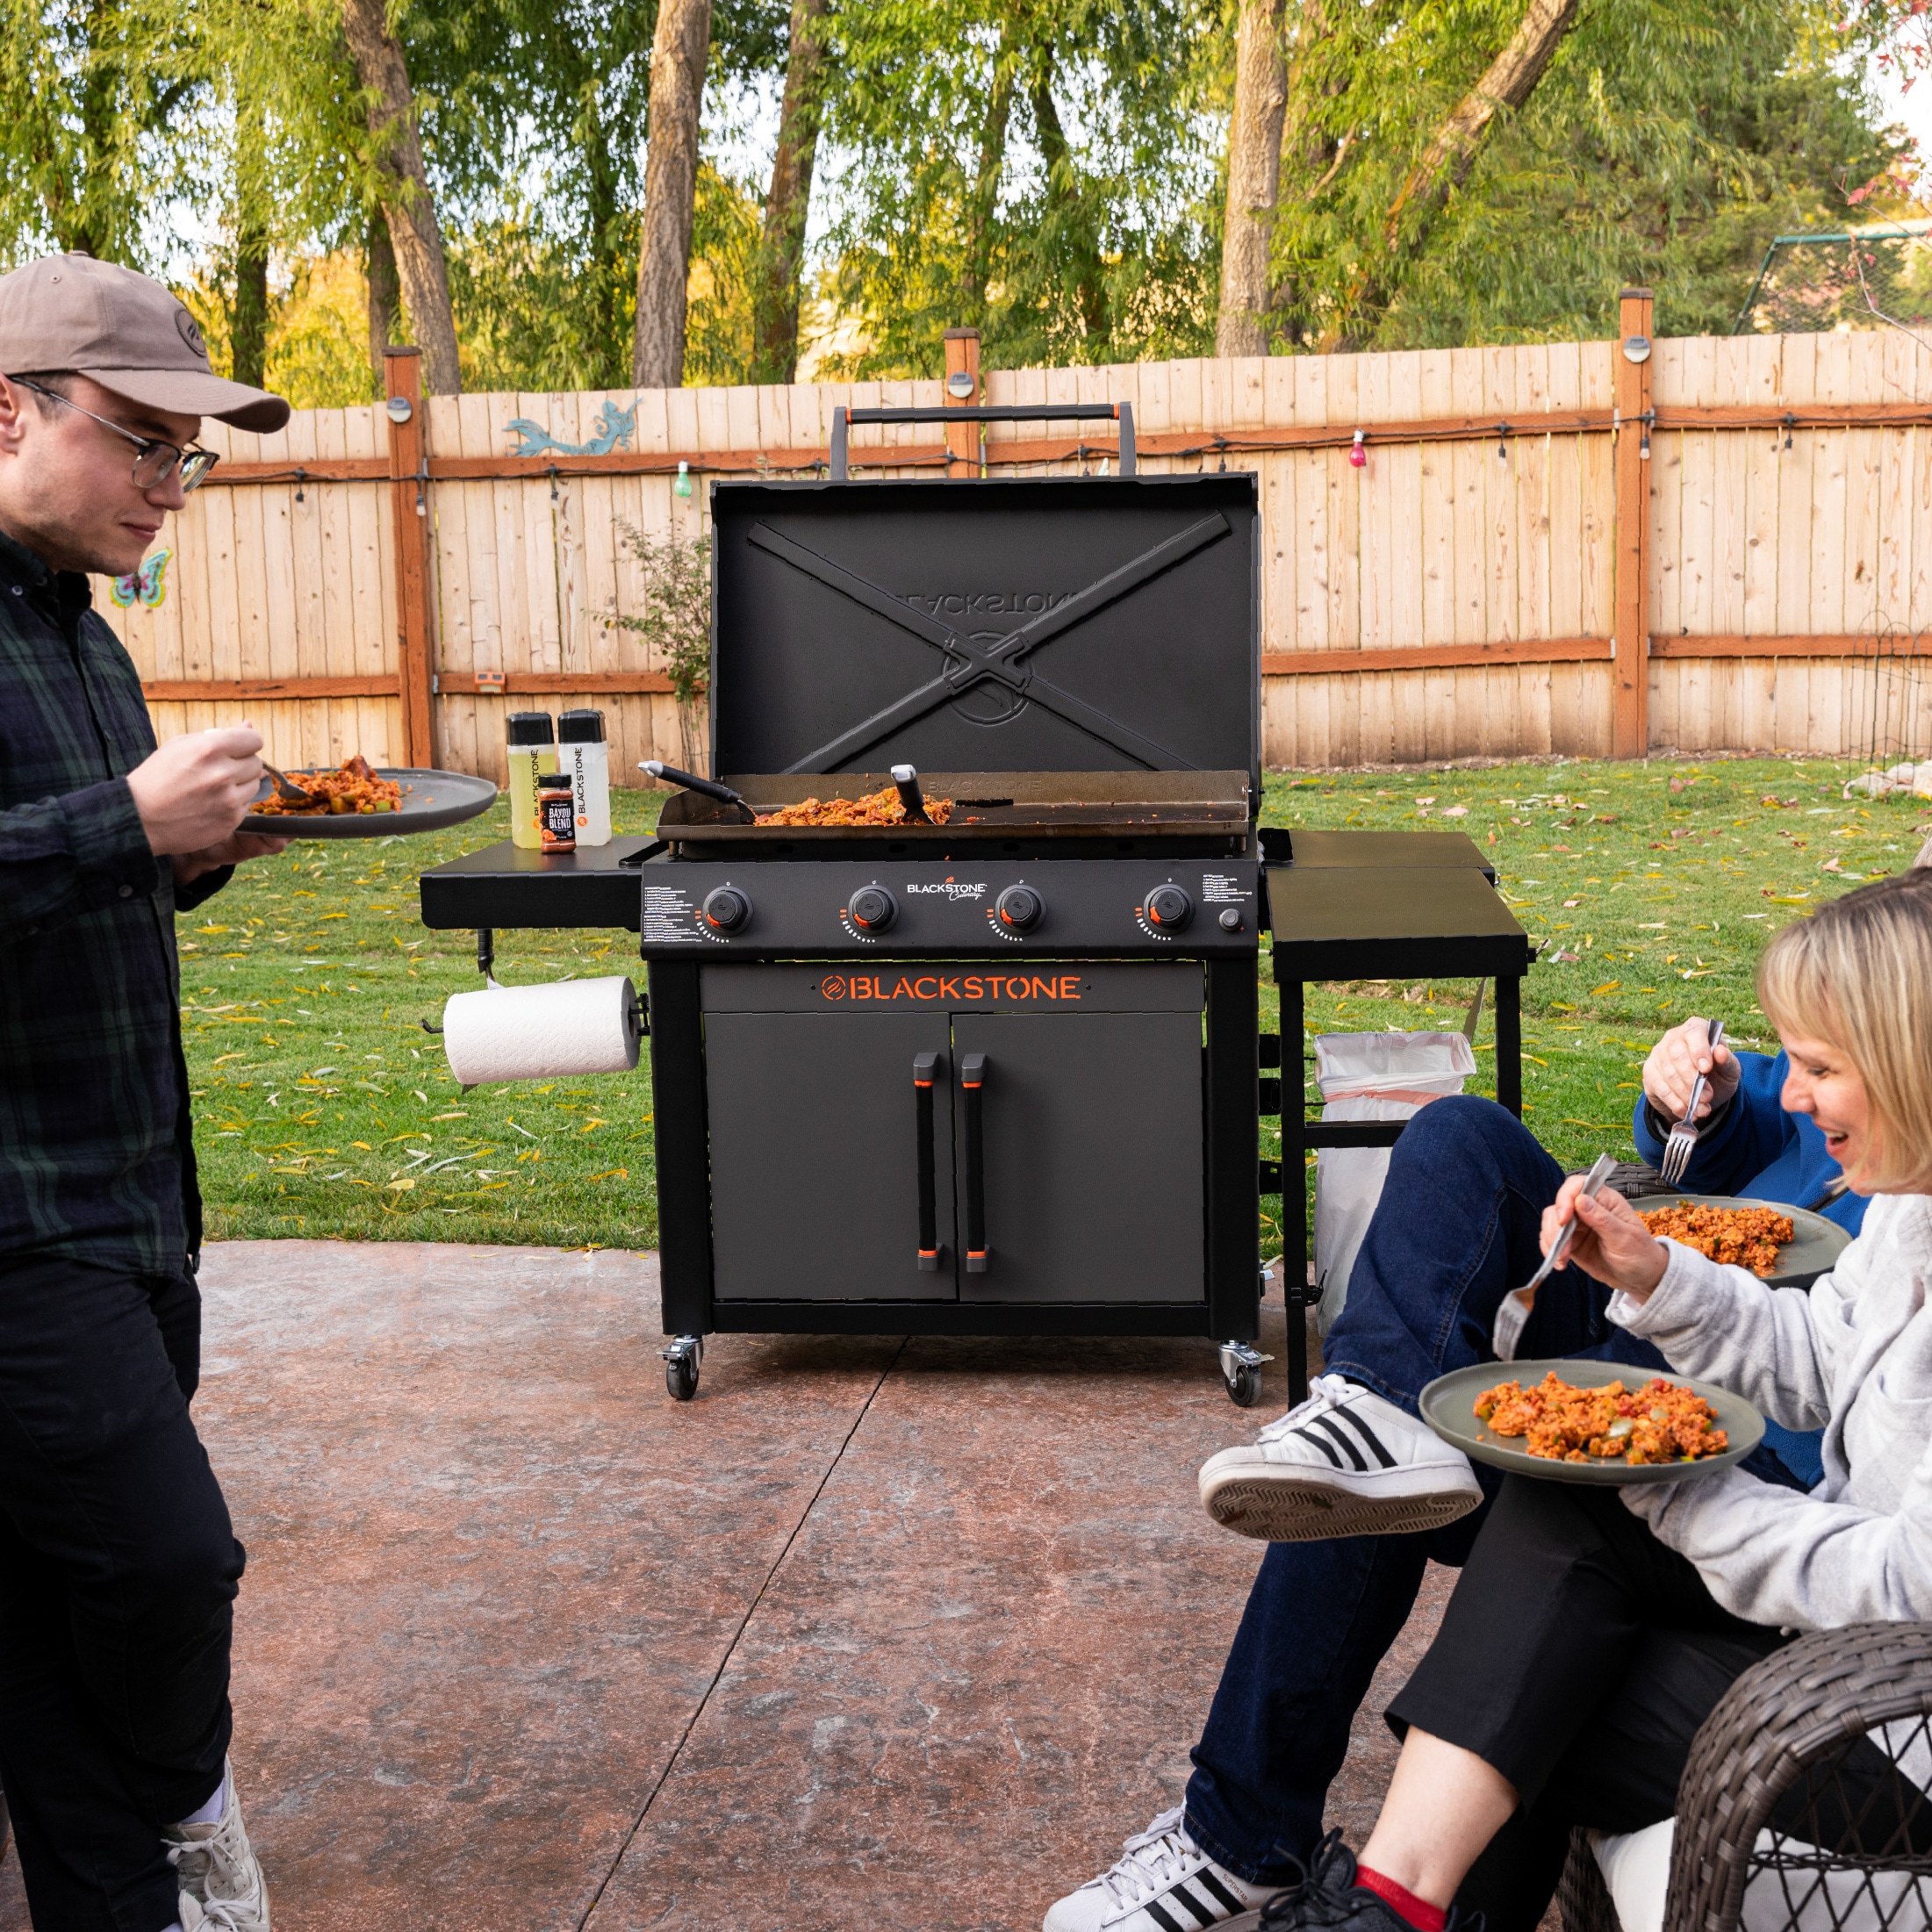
(119, 1568)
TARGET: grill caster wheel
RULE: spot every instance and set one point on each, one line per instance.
(682, 1359)
(1241, 1372)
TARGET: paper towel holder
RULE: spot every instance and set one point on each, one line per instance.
(486, 959)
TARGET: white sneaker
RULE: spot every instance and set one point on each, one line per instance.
(1163, 1881)
(197, 1917)
(220, 1877)
(1344, 1464)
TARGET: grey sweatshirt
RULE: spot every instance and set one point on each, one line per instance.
(1851, 1355)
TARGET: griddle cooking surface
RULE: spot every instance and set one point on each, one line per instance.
(986, 805)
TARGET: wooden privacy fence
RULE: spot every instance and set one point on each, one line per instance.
(1574, 548)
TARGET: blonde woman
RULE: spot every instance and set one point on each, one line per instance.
(1592, 1630)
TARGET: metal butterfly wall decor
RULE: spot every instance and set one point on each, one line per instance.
(147, 585)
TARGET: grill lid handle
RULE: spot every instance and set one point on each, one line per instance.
(843, 418)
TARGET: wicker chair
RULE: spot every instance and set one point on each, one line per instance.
(1786, 1728)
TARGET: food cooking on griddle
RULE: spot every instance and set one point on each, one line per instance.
(1657, 1423)
(353, 787)
(880, 807)
(1737, 1236)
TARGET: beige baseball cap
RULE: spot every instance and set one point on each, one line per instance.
(69, 311)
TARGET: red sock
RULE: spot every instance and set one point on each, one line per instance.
(1419, 1913)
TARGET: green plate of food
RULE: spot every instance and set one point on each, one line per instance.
(1601, 1422)
(357, 800)
(1783, 1246)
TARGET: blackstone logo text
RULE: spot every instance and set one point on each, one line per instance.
(989, 603)
(948, 986)
(951, 889)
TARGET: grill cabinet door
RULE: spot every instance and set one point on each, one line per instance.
(814, 1168)
(1091, 1136)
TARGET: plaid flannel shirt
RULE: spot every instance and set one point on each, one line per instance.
(97, 1158)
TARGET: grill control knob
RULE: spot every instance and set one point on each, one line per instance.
(1021, 907)
(1230, 921)
(872, 908)
(1169, 908)
(727, 909)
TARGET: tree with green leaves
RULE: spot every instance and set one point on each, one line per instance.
(98, 101)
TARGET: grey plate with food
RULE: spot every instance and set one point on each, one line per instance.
(430, 800)
(1448, 1406)
(1814, 1250)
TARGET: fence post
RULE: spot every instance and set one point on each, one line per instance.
(963, 439)
(1630, 727)
(409, 509)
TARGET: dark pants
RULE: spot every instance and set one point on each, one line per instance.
(1578, 1656)
(1456, 1229)
(117, 1578)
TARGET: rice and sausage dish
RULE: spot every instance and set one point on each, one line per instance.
(881, 808)
(1657, 1423)
(1734, 1237)
(354, 788)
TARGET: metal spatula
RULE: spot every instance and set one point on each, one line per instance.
(1516, 1305)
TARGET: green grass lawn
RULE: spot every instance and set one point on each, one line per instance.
(322, 1108)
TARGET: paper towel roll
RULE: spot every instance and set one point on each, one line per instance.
(532, 1032)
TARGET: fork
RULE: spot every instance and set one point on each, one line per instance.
(285, 787)
(1683, 1142)
(1516, 1305)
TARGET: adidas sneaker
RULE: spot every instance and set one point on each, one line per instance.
(1344, 1462)
(1162, 1882)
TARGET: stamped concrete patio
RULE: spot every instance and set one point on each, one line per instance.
(875, 1633)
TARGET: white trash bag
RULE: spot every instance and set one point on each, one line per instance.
(1369, 1076)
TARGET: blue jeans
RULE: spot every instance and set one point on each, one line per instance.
(1456, 1229)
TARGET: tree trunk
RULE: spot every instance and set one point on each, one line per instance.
(781, 248)
(985, 181)
(385, 292)
(1254, 174)
(415, 234)
(1447, 161)
(677, 55)
(1069, 206)
(248, 319)
(248, 315)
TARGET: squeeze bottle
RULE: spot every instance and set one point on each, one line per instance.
(532, 747)
(582, 752)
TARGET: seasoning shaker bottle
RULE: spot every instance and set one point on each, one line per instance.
(583, 753)
(557, 811)
(531, 748)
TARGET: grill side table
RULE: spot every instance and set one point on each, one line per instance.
(1372, 906)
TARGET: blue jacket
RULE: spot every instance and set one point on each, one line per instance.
(1757, 1150)
(1760, 1152)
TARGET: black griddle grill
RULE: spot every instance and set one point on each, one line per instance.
(995, 1077)
(881, 1104)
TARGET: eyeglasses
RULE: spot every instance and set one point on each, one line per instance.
(154, 462)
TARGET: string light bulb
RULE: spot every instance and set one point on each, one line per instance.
(1357, 456)
(682, 487)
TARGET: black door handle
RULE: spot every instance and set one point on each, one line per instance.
(925, 1074)
(972, 1070)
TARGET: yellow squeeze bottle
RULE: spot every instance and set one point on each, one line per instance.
(532, 747)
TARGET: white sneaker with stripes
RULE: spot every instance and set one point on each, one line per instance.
(1344, 1462)
(1163, 1882)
